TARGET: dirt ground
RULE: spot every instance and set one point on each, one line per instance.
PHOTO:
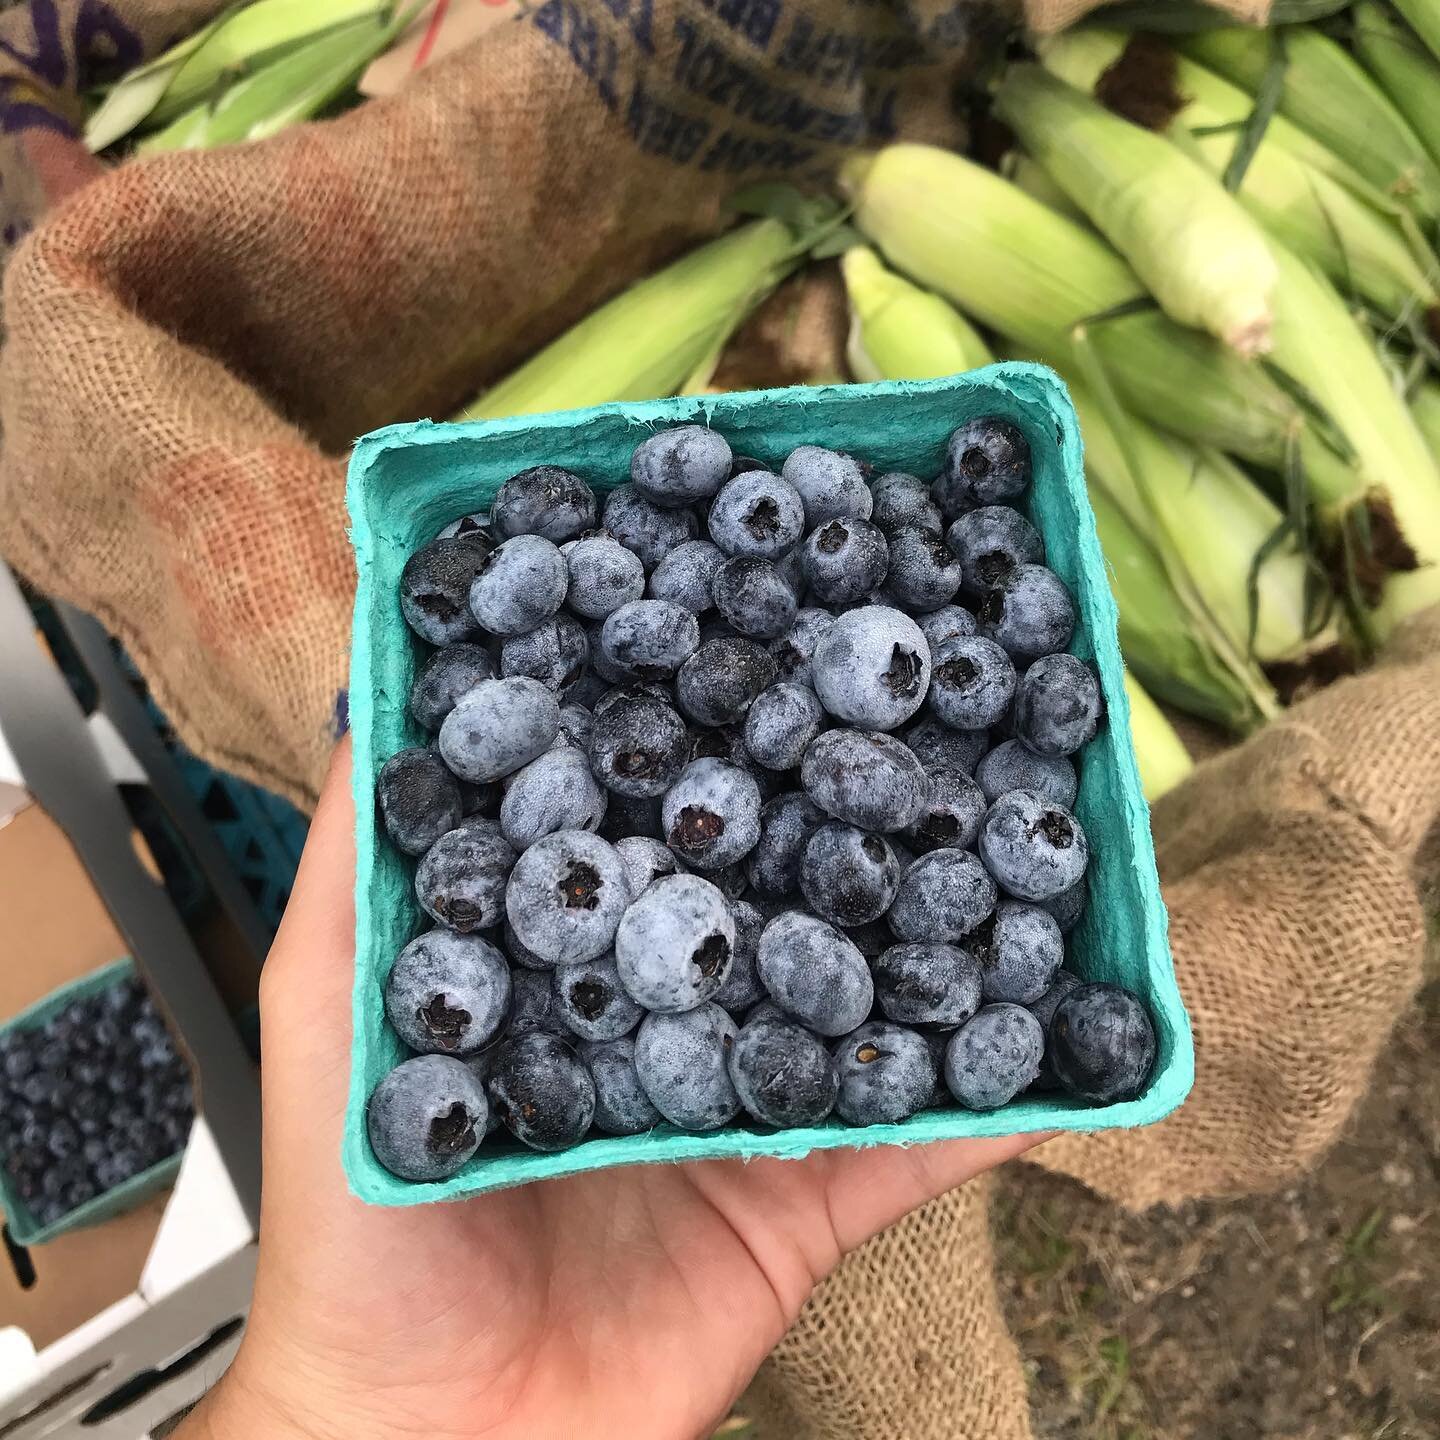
(1308, 1315)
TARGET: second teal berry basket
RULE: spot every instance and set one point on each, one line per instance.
(408, 481)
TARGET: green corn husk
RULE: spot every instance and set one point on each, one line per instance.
(1188, 239)
(899, 331)
(1160, 753)
(1030, 274)
(664, 334)
(1032, 177)
(295, 87)
(1424, 18)
(162, 89)
(1402, 66)
(1307, 209)
(1327, 94)
(1425, 407)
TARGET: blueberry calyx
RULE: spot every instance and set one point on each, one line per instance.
(763, 521)
(711, 954)
(445, 1022)
(580, 884)
(903, 675)
(831, 538)
(1056, 829)
(588, 998)
(993, 566)
(696, 828)
(451, 1132)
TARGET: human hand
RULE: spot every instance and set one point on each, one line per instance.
(635, 1302)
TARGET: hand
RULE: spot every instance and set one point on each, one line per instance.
(635, 1302)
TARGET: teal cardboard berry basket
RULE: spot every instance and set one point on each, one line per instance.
(408, 481)
(25, 1229)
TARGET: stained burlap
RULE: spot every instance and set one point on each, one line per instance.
(195, 340)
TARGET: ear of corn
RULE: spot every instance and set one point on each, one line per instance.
(663, 333)
(1197, 251)
(1304, 207)
(1163, 759)
(1328, 95)
(1035, 277)
(899, 331)
(295, 87)
(1032, 177)
(1424, 18)
(1404, 69)
(1425, 407)
(252, 35)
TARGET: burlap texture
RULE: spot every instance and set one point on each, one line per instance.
(1046, 17)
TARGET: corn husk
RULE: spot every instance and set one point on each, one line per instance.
(1403, 68)
(1032, 177)
(1327, 94)
(234, 43)
(1424, 19)
(899, 331)
(1299, 202)
(1160, 753)
(1191, 243)
(1425, 407)
(662, 335)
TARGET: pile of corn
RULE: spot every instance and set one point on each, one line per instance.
(1223, 238)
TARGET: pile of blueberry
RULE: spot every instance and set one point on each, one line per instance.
(776, 821)
(89, 1099)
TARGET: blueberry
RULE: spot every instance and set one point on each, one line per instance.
(577, 725)
(686, 576)
(650, 531)
(566, 895)
(844, 560)
(1045, 1007)
(786, 824)
(887, 1074)
(435, 588)
(532, 1005)
(545, 501)
(753, 598)
(903, 502)
(426, 1118)
(987, 462)
(742, 987)
(711, 815)
(872, 668)
(781, 723)
(631, 815)
(592, 1002)
(972, 681)
(757, 514)
(927, 983)
(923, 574)
(444, 678)
(604, 575)
(621, 1105)
(814, 973)
(649, 639)
(682, 1063)
(419, 800)
(938, 747)
(783, 1075)
(1030, 613)
(554, 792)
(638, 745)
(848, 876)
(542, 1091)
(1068, 906)
(791, 571)
(946, 623)
(499, 726)
(554, 653)
(460, 881)
(475, 523)
(993, 1057)
(1057, 705)
(718, 683)
(1012, 766)
(991, 544)
(677, 467)
(675, 943)
(447, 994)
(952, 815)
(943, 896)
(1033, 847)
(792, 651)
(868, 780)
(1019, 949)
(831, 484)
(1101, 1044)
(520, 585)
(646, 861)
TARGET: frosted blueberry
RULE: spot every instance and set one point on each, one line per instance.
(991, 544)
(519, 585)
(686, 576)
(844, 560)
(757, 514)
(792, 651)
(419, 800)
(649, 639)
(923, 574)
(871, 668)
(621, 1106)
(848, 876)
(711, 815)
(717, 684)
(604, 575)
(753, 598)
(972, 681)
(943, 896)
(566, 895)
(903, 501)
(814, 973)
(987, 462)
(993, 1057)
(675, 943)
(887, 1074)
(499, 726)
(447, 994)
(1030, 613)
(1057, 705)
(786, 824)
(650, 531)
(545, 501)
(1012, 766)
(1033, 847)
(677, 467)
(646, 861)
(868, 780)
(783, 1075)
(592, 1002)
(435, 588)
(938, 747)
(952, 815)
(554, 653)
(927, 983)
(426, 1118)
(460, 880)
(554, 792)
(542, 1091)
(683, 1065)
(781, 723)
(1020, 949)
(444, 678)
(830, 483)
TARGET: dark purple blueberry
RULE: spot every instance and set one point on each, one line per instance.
(545, 501)
(555, 653)
(1068, 906)
(1057, 705)
(783, 1075)
(648, 530)
(844, 560)
(435, 588)
(719, 682)
(1013, 766)
(757, 514)
(903, 502)
(1030, 613)
(927, 983)
(677, 467)
(786, 824)
(923, 574)
(887, 1074)
(972, 681)
(532, 1005)
(638, 746)
(1101, 1044)
(952, 815)
(419, 800)
(460, 881)
(444, 678)
(938, 747)
(868, 780)
(542, 1091)
(753, 598)
(848, 877)
(426, 1118)
(991, 543)
(943, 896)
(742, 987)
(987, 462)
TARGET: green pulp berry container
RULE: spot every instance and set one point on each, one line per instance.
(25, 1229)
(408, 481)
